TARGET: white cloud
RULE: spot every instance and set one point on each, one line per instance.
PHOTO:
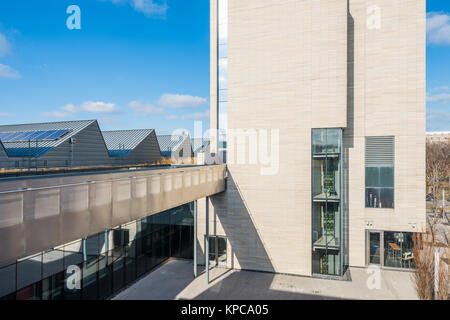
(181, 101)
(438, 120)
(56, 114)
(147, 7)
(150, 7)
(171, 117)
(69, 110)
(8, 72)
(99, 107)
(438, 115)
(5, 47)
(441, 97)
(6, 114)
(92, 106)
(144, 108)
(438, 28)
(197, 115)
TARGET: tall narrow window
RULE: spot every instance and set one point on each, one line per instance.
(326, 179)
(380, 172)
(222, 74)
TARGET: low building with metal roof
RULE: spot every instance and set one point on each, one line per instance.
(176, 147)
(3, 155)
(54, 144)
(132, 146)
(199, 145)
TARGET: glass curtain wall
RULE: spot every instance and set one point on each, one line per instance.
(222, 74)
(106, 261)
(326, 202)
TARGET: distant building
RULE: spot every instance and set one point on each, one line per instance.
(442, 136)
(132, 146)
(3, 156)
(53, 144)
(201, 149)
(74, 144)
(199, 145)
(176, 147)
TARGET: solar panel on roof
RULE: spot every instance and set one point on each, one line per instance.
(39, 135)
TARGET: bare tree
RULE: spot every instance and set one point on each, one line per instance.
(437, 170)
(424, 274)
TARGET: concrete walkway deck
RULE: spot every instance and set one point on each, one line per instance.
(174, 280)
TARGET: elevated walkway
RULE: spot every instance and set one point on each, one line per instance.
(41, 212)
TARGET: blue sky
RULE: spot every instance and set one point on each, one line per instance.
(140, 63)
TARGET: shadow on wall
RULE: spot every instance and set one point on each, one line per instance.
(348, 133)
(246, 244)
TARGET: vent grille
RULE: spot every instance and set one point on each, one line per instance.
(380, 151)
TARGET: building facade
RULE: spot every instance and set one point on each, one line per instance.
(74, 144)
(320, 106)
(132, 146)
(176, 147)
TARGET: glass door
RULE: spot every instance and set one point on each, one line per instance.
(374, 250)
(217, 251)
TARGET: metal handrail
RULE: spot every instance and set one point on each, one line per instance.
(88, 182)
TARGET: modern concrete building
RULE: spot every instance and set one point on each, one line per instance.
(132, 146)
(176, 147)
(321, 105)
(318, 112)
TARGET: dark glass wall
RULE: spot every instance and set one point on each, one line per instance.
(326, 177)
(106, 262)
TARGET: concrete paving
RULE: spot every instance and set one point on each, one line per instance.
(174, 280)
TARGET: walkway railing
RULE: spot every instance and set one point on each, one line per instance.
(37, 213)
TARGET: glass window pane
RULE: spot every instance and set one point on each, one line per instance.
(372, 197)
(374, 248)
(387, 177)
(32, 292)
(223, 96)
(398, 249)
(372, 177)
(333, 140)
(90, 269)
(223, 73)
(52, 262)
(7, 279)
(331, 179)
(29, 271)
(387, 197)
(223, 12)
(318, 140)
(223, 50)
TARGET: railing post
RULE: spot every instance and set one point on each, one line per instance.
(195, 238)
(207, 242)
